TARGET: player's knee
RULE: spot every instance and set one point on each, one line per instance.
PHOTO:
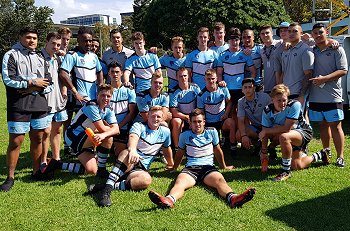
(91, 169)
(108, 142)
(284, 139)
(142, 183)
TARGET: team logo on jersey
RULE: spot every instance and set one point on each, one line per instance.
(295, 54)
(208, 99)
(221, 97)
(82, 61)
(227, 57)
(328, 54)
(171, 63)
(190, 138)
(240, 57)
(197, 56)
(94, 62)
(259, 105)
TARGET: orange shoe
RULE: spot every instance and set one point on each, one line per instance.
(264, 165)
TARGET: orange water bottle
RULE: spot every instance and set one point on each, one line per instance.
(90, 133)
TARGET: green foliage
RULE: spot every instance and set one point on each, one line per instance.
(16, 14)
(126, 29)
(163, 20)
(140, 9)
(301, 10)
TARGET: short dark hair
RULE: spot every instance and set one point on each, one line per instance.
(84, 30)
(248, 80)
(96, 40)
(294, 24)
(319, 25)
(264, 27)
(64, 30)
(114, 65)
(114, 31)
(197, 112)
(234, 32)
(137, 36)
(26, 30)
(55, 35)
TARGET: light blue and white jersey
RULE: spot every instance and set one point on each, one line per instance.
(213, 103)
(292, 111)
(199, 148)
(121, 99)
(199, 62)
(145, 101)
(184, 100)
(233, 64)
(172, 64)
(142, 67)
(220, 49)
(88, 115)
(84, 68)
(150, 141)
(256, 56)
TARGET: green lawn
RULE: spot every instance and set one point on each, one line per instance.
(313, 199)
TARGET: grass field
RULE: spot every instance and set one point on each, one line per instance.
(313, 199)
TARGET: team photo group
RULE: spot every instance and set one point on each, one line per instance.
(224, 97)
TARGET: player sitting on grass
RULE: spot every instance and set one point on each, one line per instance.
(131, 168)
(200, 145)
(96, 115)
(283, 120)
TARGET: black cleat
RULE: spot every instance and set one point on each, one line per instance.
(7, 185)
(95, 188)
(102, 173)
(105, 200)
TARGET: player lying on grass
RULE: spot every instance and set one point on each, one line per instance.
(200, 145)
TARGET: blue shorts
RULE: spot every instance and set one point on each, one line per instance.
(59, 116)
(21, 123)
(330, 112)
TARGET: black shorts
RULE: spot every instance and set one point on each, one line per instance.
(123, 137)
(137, 167)
(199, 172)
(306, 135)
(235, 96)
(216, 125)
(76, 142)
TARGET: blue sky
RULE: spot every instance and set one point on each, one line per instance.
(70, 8)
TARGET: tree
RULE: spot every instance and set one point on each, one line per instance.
(16, 14)
(140, 9)
(162, 20)
(301, 10)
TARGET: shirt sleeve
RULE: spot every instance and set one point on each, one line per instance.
(294, 110)
(173, 100)
(9, 70)
(136, 128)
(142, 104)
(167, 141)
(265, 121)
(132, 96)
(68, 62)
(182, 140)
(110, 117)
(308, 59)
(92, 112)
(240, 108)
(215, 137)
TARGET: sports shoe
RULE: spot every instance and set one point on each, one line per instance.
(102, 173)
(39, 176)
(272, 153)
(326, 155)
(7, 185)
(105, 200)
(94, 188)
(340, 162)
(51, 166)
(282, 176)
(161, 201)
(264, 165)
(239, 200)
(68, 152)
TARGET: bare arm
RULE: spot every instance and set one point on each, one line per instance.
(306, 83)
(219, 73)
(168, 155)
(277, 129)
(246, 142)
(126, 76)
(327, 78)
(219, 156)
(66, 80)
(100, 79)
(178, 158)
(252, 70)
(105, 131)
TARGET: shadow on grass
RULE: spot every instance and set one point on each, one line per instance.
(329, 212)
